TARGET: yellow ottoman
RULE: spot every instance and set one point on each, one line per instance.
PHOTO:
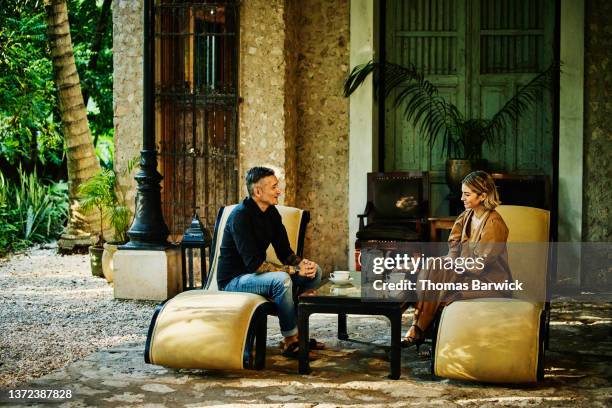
(216, 330)
(490, 340)
(209, 330)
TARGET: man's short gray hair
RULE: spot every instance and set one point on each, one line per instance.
(254, 175)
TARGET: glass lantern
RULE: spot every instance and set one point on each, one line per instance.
(193, 253)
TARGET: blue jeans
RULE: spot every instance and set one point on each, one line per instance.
(277, 286)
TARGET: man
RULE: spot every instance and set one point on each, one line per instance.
(251, 228)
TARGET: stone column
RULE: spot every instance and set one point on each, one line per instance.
(322, 145)
(147, 267)
(268, 124)
(127, 89)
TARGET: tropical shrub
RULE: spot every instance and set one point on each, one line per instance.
(31, 210)
(28, 133)
(30, 129)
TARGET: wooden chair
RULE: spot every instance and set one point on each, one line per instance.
(212, 329)
(523, 190)
(396, 212)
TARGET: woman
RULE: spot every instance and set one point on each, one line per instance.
(479, 232)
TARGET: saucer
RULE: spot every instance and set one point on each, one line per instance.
(337, 281)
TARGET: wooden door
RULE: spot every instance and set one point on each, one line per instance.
(197, 107)
(478, 52)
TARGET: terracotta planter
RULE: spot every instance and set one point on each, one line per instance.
(107, 261)
(95, 259)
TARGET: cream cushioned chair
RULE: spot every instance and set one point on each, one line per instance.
(212, 329)
(502, 340)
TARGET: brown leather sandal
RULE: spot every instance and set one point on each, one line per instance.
(416, 340)
(293, 351)
(313, 344)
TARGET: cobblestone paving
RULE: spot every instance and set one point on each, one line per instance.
(578, 373)
(348, 373)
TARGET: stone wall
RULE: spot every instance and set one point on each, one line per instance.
(263, 78)
(127, 89)
(293, 59)
(292, 92)
(322, 143)
(597, 226)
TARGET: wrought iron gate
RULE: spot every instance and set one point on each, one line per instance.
(196, 47)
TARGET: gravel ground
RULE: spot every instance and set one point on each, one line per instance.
(54, 312)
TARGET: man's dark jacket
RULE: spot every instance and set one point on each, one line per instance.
(247, 235)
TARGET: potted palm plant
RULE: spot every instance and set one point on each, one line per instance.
(103, 193)
(97, 193)
(434, 117)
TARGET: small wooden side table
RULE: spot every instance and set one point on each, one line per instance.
(439, 223)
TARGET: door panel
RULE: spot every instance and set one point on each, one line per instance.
(197, 104)
(479, 52)
(515, 43)
(431, 35)
(493, 97)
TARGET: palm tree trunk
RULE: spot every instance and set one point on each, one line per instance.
(80, 154)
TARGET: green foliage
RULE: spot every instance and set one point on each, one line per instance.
(98, 193)
(31, 210)
(103, 193)
(435, 117)
(120, 218)
(97, 82)
(28, 132)
(30, 128)
(105, 150)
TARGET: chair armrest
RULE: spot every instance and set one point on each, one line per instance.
(366, 212)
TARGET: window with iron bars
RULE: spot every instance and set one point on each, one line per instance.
(196, 48)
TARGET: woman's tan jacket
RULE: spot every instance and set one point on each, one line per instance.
(487, 241)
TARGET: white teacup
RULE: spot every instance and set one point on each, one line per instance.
(341, 275)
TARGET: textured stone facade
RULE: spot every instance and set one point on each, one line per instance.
(127, 89)
(293, 59)
(322, 144)
(263, 79)
(598, 121)
(292, 92)
(597, 221)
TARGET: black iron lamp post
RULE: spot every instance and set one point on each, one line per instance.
(148, 231)
(193, 249)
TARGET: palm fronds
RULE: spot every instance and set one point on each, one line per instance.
(120, 218)
(525, 98)
(104, 193)
(98, 192)
(431, 115)
(434, 117)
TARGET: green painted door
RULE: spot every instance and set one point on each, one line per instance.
(478, 52)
